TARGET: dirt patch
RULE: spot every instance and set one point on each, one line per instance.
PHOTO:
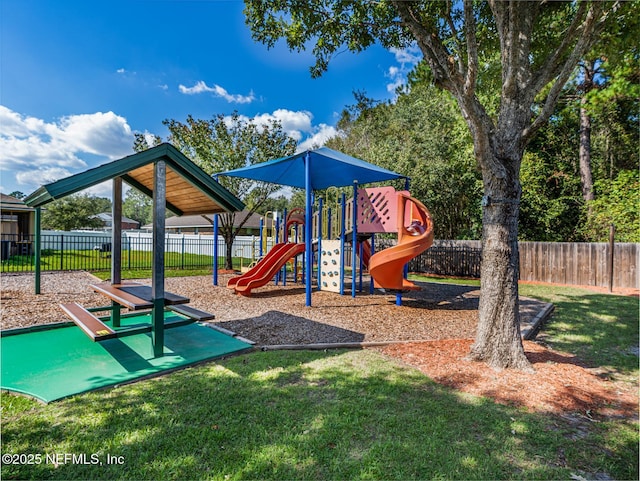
(560, 383)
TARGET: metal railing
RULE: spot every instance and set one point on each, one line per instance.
(66, 251)
(92, 252)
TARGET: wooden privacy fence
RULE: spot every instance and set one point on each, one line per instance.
(557, 262)
(576, 263)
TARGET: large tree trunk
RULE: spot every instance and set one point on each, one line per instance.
(498, 341)
(499, 141)
(499, 152)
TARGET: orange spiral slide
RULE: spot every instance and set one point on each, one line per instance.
(415, 235)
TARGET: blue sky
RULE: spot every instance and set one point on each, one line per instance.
(78, 78)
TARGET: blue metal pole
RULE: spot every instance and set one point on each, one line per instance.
(260, 253)
(277, 241)
(320, 207)
(373, 251)
(354, 238)
(296, 239)
(343, 213)
(307, 228)
(361, 252)
(285, 238)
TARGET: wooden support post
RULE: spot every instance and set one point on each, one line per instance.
(157, 280)
(116, 232)
(116, 245)
(115, 314)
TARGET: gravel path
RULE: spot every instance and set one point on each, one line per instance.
(275, 314)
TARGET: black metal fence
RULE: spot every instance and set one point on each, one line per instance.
(459, 261)
(92, 252)
(444, 258)
(66, 251)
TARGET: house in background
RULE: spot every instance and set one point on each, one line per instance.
(203, 224)
(107, 221)
(17, 222)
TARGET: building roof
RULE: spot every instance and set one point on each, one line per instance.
(106, 217)
(189, 190)
(8, 202)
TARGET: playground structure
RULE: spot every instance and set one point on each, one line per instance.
(375, 210)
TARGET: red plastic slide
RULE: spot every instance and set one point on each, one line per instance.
(415, 235)
(264, 270)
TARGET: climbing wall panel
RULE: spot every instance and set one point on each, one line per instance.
(330, 267)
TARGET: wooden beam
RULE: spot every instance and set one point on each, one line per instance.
(116, 231)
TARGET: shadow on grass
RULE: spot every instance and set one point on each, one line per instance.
(602, 330)
(305, 415)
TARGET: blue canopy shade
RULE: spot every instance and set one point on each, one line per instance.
(327, 168)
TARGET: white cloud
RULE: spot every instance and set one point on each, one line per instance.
(407, 58)
(201, 87)
(100, 133)
(34, 152)
(45, 175)
(105, 189)
(318, 137)
(298, 125)
(410, 55)
(294, 123)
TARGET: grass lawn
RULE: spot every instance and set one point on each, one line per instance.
(333, 414)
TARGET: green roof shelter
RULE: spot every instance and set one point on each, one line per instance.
(166, 175)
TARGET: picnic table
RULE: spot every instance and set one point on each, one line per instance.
(134, 296)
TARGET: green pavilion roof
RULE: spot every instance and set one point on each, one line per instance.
(189, 190)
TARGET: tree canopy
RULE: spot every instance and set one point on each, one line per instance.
(75, 212)
(138, 206)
